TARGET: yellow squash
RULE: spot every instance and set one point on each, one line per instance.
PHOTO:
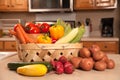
(32, 70)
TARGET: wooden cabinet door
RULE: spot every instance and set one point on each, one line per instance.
(83, 4)
(94, 4)
(4, 5)
(10, 46)
(19, 5)
(1, 45)
(13, 5)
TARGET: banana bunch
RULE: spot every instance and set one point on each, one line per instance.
(72, 35)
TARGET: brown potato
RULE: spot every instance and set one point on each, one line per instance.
(105, 58)
(86, 64)
(100, 65)
(84, 53)
(98, 55)
(94, 48)
(110, 64)
(76, 61)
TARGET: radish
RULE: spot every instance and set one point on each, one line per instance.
(59, 67)
(68, 68)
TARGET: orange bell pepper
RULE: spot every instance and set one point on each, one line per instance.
(56, 31)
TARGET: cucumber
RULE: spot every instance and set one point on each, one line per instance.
(14, 65)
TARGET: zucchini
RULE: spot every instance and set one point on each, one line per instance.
(14, 65)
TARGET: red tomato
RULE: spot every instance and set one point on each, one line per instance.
(44, 27)
(15, 26)
(31, 28)
(38, 25)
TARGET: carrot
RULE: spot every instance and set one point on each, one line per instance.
(12, 32)
(20, 35)
(27, 38)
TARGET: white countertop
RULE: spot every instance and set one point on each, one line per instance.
(7, 39)
(112, 74)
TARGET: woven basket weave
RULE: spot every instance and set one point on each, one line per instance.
(45, 52)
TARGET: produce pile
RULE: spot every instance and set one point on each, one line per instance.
(59, 33)
(89, 59)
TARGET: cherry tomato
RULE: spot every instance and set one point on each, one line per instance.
(31, 28)
(44, 27)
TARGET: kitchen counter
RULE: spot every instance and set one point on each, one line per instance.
(100, 39)
(7, 39)
(108, 74)
(83, 39)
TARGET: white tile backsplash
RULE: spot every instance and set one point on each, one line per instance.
(55, 16)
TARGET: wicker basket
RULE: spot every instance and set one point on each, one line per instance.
(45, 52)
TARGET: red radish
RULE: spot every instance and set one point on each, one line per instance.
(59, 67)
(63, 59)
(53, 63)
(68, 68)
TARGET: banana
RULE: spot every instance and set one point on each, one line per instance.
(81, 31)
(70, 36)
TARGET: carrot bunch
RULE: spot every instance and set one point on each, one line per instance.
(21, 35)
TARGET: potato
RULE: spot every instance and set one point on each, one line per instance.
(98, 55)
(86, 64)
(76, 61)
(84, 53)
(110, 64)
(100, 65)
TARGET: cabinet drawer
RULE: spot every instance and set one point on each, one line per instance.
(10, 45)
(107, 46)
(1, 46)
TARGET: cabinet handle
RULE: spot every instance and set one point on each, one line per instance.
(8, 6)
(12, 46)
(105, 46)
(12, 5)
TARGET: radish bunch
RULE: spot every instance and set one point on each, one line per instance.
(62, 66)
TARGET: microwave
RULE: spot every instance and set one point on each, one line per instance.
(50, 5)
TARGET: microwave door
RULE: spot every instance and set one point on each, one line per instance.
(49, 5)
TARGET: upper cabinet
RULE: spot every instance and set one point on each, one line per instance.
(13, 5)
(94, 4)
